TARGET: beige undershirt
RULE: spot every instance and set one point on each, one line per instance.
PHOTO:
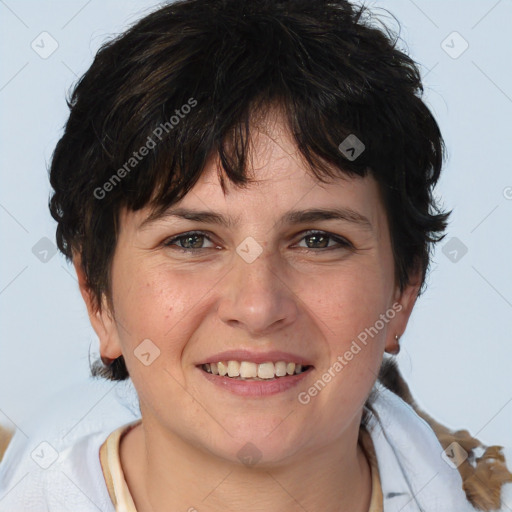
(123, 501)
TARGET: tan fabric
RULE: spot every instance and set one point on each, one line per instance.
(123, 501)
(483, 482)
(113, 472)
(5, 439)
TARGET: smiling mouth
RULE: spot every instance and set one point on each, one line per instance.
(248, 371)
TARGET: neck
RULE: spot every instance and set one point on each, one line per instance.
(164, 470)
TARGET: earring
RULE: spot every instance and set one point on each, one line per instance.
(396, 349)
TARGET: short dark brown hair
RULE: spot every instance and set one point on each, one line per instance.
(184, 83)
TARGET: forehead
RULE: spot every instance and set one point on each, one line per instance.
(281, 183)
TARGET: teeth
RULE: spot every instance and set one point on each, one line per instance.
(248, 370)
(233, 368)
(266, 371)
(280, 369)
(223, 368)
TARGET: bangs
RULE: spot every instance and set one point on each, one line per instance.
(196, 104)
(177, 167)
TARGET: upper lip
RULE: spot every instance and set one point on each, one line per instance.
(257, 357)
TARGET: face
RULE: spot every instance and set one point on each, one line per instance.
(266, 287)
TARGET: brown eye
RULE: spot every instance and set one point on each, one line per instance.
(188, 242)
(320, 240)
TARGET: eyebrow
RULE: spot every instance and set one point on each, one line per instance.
(293, 217)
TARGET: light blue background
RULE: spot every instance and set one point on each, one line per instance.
(457, 350)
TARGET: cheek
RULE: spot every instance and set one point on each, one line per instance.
(354, 319)
(351, 302)
(354, 335)
(159, 304)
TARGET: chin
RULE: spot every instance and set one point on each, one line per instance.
(264, 445)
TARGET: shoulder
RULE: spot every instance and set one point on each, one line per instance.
(483, 473)
(459, 469)
(52, 461)
(49, 478)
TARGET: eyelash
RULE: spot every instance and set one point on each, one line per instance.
(342, 243)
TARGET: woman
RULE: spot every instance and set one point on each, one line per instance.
(245, 191)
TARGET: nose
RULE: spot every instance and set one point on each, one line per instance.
(257, 297)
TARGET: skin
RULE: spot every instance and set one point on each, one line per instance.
(296, 296)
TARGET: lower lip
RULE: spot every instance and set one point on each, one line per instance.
(256, 387)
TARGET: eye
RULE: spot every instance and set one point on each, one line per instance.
(321, 240)
(194, 240)
(188, 242)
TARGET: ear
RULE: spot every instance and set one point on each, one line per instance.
(100, 316)
(403, 304)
